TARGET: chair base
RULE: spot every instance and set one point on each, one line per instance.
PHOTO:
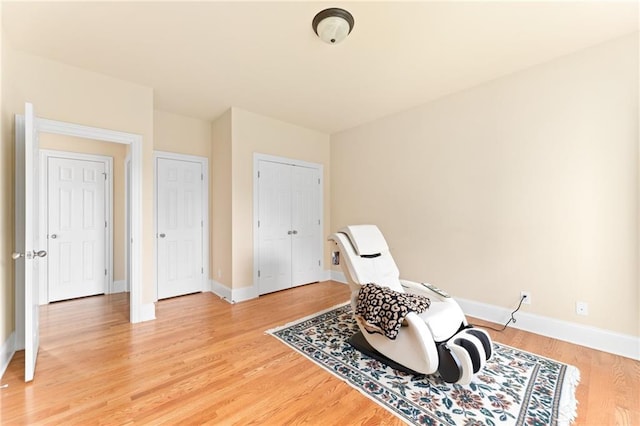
(450, 367)
(359, 342)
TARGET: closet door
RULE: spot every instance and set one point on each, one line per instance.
(274, 226)
(289, 229)
(305, 223)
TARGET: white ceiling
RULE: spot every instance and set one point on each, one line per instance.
(203, 57)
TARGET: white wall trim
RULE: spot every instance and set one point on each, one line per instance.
(244, 293)
(257, 157)
(45, 154)
(220, 290)
(233, 295)
(7, 350)
(591, 337)
(127, 225)
(86, 132)
(147, 312)
(338, 276)
(118, 286)
(204, 163)
(325, 275)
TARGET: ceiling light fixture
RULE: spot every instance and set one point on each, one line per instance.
(333, 25)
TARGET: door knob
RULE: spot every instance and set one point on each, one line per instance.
(162, 235)
(53, 236)
(16, 256)
(289, 232)
(295, 232)
(40, 253)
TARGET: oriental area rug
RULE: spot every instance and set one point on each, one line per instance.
(514, 387)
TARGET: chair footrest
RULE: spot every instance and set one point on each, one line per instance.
(463, 355)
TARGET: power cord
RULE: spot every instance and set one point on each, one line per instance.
(512, 319)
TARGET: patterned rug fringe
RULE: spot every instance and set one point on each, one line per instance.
(568, 409)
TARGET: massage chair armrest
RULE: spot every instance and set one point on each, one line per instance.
(425, 289)
(422, 335)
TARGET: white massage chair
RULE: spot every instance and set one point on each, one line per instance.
(437, 340)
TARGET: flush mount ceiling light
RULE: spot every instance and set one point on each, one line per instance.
(333, 25)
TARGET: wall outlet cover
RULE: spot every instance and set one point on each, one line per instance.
(582, 308)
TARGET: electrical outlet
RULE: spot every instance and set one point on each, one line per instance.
(527, 297)
(582, 308)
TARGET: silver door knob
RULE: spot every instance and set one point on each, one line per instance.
(289, 232)
(162, 235)
(53, 236)
(39, 253)
(295, 232)
(16, 256)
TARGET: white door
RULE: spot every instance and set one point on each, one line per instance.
(76, 228)
(180, 227)
(28, 249)
(274, 226)
(289, 226)
(305, 223)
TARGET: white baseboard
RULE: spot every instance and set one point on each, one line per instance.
(244, 293)
(591, 337)
(338, 276)
(325, 275)
(7, 351)
(220, 290)
(147, 312)
(234, 295)
(119, 286)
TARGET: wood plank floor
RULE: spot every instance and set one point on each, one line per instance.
(206, 361)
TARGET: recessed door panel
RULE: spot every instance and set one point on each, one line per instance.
(76, 228)
(305, 221)
(274, 201)
(180, 227)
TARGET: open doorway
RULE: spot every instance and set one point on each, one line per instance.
(137, 311)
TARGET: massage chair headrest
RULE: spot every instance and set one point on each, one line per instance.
(367, 240)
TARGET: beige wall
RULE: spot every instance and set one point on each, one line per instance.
(529, 182)
(66, 93)
(237, 135)
(180, 134)
(221, 200)
(118, 152)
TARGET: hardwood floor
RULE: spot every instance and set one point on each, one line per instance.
(204, 360)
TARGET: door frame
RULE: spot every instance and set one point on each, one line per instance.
(257, 157)
(135, 141)
(204, 163)
(45, 154)
(127, 223)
